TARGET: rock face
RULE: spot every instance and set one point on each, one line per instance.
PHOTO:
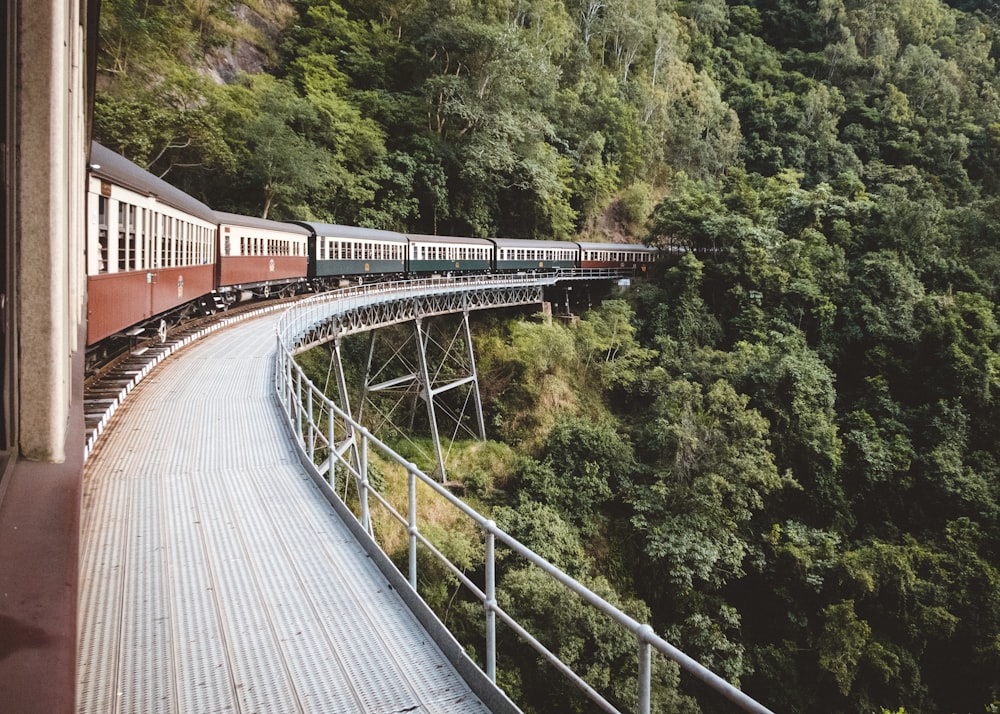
(257, 32)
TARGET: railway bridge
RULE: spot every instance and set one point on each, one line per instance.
(229, 560)
(211, 566)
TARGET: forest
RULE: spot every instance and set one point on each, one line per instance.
(783, 451)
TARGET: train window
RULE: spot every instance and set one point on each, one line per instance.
(102, 234)
(177, 245)
(169, 237)
(165, 242)
(130, 263)
(140, 238)
(122, 236)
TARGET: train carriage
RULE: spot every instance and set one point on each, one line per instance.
(150, 247)
(615, 255)
(260, 256)
(348, 251)
(448, 254)
(513, 255)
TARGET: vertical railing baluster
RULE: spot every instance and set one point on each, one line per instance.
(363, 458)
(311, 449)
(331, 449)
(491, 603)
(298, 406)
(412, 487)
(645, 668)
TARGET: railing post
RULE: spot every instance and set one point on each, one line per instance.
(365, 515)
(286, 386)
(298, 406)
(491, 603)
(310, 420)
(412, 487)
(645, 668)
(331, 447)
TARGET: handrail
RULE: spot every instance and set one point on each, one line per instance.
(300, 399)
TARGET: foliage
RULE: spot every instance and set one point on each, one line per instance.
(786, 444)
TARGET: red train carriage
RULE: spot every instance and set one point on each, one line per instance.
(261, 256)
(614, 255)
(150, 247)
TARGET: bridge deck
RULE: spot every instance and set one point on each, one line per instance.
(214, 574)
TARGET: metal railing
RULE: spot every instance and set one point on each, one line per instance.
(321, 427)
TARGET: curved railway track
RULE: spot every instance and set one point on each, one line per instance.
(108, 383)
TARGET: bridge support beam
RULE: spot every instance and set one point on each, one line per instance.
(441, 367)
(347, 440)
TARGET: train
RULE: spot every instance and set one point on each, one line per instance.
(156, 254)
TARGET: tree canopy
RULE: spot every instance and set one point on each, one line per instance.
(785, 447)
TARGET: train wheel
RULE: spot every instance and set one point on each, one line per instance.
(162, 331)
(267, 291)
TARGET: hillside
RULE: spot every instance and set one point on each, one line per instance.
(785, 451)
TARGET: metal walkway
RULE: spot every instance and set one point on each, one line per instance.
(215, 577)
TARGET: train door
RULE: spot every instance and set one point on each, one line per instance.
(7, 244)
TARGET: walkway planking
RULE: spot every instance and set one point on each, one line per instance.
(215, 577)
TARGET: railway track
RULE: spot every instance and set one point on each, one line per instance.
(109, 383)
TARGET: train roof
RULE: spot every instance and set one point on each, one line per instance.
(619, 246)
(531, 243)
(235, 219)
(423, 238)
(106, 164)
(333, 230)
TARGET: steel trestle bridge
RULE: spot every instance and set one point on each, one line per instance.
(229, 557)
(333, 442)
